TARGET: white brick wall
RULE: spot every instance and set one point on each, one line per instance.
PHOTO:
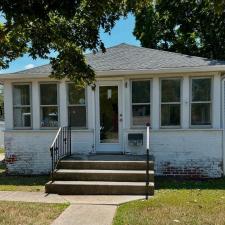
(27, 152)
(196, 153)
(185, 152)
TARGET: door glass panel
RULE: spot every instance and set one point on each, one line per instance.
(108, 97)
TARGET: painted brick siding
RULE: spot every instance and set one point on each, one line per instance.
(27, 152)
(194, 153)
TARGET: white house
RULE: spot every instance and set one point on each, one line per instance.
(181, 96)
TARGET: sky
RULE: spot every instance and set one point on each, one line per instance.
(121, 33)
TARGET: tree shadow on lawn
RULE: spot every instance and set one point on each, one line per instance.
(17, 180)
(188, 183)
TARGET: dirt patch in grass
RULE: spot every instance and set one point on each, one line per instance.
(178, 202)
(29, 213)
(21, 183)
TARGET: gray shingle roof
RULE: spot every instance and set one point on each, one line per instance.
(129, 57)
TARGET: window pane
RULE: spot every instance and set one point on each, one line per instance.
(170, 115)
(48, 94)
(108, 98)
(22, 117)
(77, 116)
(49, 116)
(21, 94)
(141, 114)
(140, 91)
(76, 95)
(201, 114)
(201, 89)
(170, 90)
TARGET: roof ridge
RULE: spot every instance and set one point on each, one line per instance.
(114, 46)
(126, 56)
(174, 53)
(162, 51)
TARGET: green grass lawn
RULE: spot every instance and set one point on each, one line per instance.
(2, 150)
(21, 183)
(178, 202)
(29, 213)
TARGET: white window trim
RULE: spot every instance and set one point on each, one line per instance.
(170, 103)
(131, 103)
(202, 102)
(42, 106)
(74, 105)
(23, 106)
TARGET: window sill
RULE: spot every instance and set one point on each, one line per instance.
(143, 129)
(45, 130)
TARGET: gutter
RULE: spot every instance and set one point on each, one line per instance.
(112, 73)
(223, 122)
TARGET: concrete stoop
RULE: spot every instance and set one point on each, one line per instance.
(87, 177)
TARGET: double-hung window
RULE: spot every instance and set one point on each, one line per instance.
(49, 105)
(77, 110)
(22, 105)
(170, 102)
(141, 102)
(201, 101)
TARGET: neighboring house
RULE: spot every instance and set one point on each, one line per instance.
(181, 96)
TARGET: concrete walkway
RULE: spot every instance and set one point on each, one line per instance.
(72, 199)
(87, 215)
(39, 197)
(83, 209)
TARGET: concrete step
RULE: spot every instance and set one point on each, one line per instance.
(102, 175)
(104, 165)
(98, 188)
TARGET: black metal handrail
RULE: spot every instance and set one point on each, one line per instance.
(61, 146)
(147, 160)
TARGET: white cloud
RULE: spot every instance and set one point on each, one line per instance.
(29, 66)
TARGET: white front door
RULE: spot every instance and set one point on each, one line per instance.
(109, 117)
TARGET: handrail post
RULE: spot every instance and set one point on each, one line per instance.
(69, 129)
(147, 159)
(51, 151)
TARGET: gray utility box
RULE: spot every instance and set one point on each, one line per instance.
(135, 139)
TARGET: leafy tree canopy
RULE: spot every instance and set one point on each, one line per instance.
(68, 27)
(194, 27)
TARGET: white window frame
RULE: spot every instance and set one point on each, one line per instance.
(201, 102)
(23, 106)
(74, 105)
(131, 102)
(42, 106)
(170, 103)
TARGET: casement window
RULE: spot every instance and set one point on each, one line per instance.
(77, 110)
(22, 105)
(201, 101)
(49, 105)
(170, 102)
(141, 102)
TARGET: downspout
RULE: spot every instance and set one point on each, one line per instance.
(223, 121)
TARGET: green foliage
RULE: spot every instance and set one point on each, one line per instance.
(186, 26)
(68, 28)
